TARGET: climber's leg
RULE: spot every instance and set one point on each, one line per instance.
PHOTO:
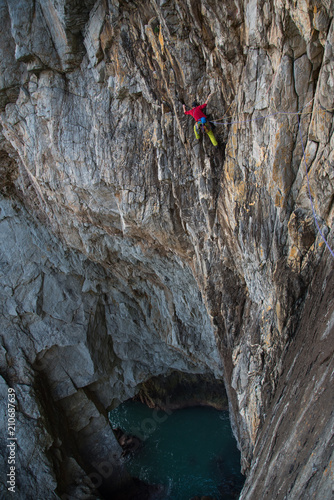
(196, 130)
(212, 137)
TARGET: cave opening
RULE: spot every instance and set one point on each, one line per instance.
(176, 436)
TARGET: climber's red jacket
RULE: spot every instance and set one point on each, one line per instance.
(196, 112)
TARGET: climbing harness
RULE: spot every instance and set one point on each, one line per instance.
(205, 128)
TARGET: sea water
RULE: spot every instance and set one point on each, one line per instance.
(191, 451)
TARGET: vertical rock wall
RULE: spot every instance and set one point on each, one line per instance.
(166, 253)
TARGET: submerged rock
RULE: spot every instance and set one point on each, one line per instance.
(128, 442)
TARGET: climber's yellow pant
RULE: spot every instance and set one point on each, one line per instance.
(196, 130)
(207, 130)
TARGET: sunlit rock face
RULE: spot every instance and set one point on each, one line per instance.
(129, 249)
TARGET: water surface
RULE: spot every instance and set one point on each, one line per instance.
(191, 451)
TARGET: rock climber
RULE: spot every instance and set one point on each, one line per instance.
(201, 120)
(196, 111)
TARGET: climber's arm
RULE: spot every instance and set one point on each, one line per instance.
(209, 97)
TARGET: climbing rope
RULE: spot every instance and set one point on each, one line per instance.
(225, 122)
(298, 114)
(239, 122)
(309, 191)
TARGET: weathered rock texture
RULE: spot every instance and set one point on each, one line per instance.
(182, 390)
(129, 249)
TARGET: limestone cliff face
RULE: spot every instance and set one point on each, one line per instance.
(130, 249)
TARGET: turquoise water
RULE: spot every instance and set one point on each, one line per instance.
(191, 451)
